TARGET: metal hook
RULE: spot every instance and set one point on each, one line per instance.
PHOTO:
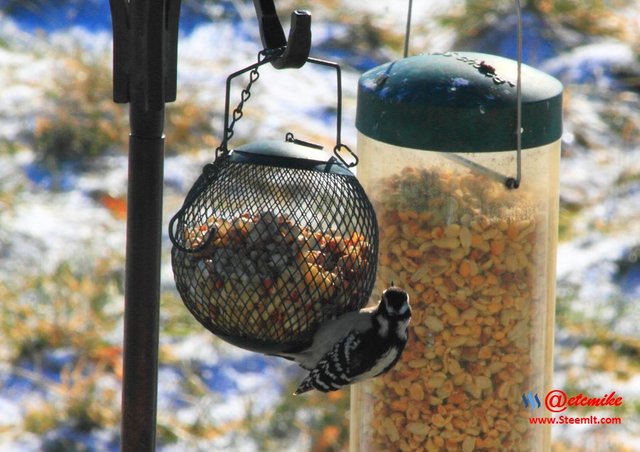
(297, 46)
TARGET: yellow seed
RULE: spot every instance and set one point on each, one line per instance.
(465, 268)
(418, 428)
(473, 390)
(433, 323)
(391, 429)
(438, 420)
(522, 259)
(462, 330)
(452, 230)
(465, 237)
(421, 331)
(418, 363)
(496, 366)
(459, 379)
(457, 254)
(480, 224)
(454, 367)
(445, 390)
(425, 216)
(408, 216)
(458, 280)
(416, 392)
(503, 390)
(497, 247)
(499, 335)
(469, 314)
(494, 306)
(478, 242)
(468, 444)
(483, 382)
(457, 341)
(412, 252)
(471, 293)
(435, 381)
(484, 352)
(502, 425)
(450, 243)
(450, 310)
(511, 263)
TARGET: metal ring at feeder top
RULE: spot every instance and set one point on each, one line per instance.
(274, 239)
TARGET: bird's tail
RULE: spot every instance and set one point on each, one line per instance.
(305, 386)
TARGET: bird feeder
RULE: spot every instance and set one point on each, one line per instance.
(467, 204)
(275, 237)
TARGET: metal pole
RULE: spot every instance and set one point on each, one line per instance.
(144, 232)
(145, 48)
(142, 282)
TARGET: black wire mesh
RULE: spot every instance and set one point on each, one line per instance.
(263, 254)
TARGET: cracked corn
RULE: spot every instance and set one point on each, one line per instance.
(471, 254)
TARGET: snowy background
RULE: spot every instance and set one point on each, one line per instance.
(63, 175)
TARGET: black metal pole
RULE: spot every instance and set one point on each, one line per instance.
(141, 334)
(145, 50)
(144, 232)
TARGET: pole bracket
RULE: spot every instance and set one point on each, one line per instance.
(145, 52)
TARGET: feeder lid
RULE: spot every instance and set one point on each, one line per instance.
(458, 102)
(288, 155)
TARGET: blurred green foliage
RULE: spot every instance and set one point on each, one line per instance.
(80, 122)
(72, 310)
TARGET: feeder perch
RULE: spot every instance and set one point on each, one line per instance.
(468, 212)
(275, 237)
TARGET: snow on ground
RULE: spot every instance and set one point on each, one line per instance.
(39, 228)
(592, 64)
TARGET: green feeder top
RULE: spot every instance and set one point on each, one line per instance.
(458, 102)
(289, 155)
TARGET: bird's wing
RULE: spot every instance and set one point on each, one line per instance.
(325, 337)
(342, 363)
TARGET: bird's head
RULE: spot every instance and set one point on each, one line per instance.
(395, 303)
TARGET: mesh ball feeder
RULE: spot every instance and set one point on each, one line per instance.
(274, 238)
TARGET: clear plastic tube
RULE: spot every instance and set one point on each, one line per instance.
(478, 261)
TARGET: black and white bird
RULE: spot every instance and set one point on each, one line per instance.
(357, 345)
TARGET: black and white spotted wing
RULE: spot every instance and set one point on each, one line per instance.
(337, 368)
(361, 356)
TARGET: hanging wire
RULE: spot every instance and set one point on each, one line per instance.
(515, 182)
(510, 182)
(407, 32)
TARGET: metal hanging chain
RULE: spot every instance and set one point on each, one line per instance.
(264, 57)
(237, 113)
